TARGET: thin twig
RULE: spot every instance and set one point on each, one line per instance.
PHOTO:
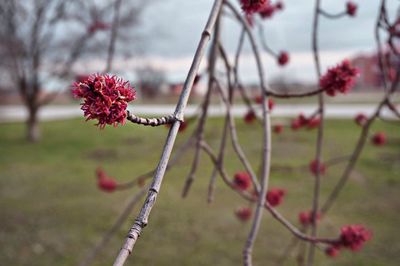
(142, 220)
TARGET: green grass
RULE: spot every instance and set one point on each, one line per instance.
(52, 213)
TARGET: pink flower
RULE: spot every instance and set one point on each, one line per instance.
(249, 117)
(313, 123)
(258, 99)
(314, 167)
(243, 214)
(305, 218)
(379, 139)
(339, 79)
(242, 180)
(271, 104)
(104, 182)
(299, 122)
(267, 10)
(275, 196)
(283, 58)
(252, 6)
(361, 119)
(351, 8)
(354, 236)
(278, 128)
(105, 98)
(332, 251)
(295, 124)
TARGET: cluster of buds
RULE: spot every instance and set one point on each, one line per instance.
(243, 213)
(339, 79)
(105, 182)
(351, 237)
(105, 98)
(317, 167)
(351, 8)
(242, 180)
(275, 196)
(306, 217)
(301, 121)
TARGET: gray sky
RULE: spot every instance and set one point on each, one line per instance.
(173, 27)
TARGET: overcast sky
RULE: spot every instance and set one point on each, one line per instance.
(172, 29)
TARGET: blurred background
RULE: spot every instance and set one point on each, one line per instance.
(52, 212)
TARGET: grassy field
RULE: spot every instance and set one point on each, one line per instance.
(52, 212)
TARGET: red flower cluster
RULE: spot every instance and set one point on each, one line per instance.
(302, 121)
(259, 99)
(361, 119)
(268, 9)
(104, 182)
(379, 139)
(339, 79)
(275, 196)
(332, 251)
(243, 213)
(242, 180)
(314, 167)
(105, 98)
(351, 8)
(278, 128)
(252, 6)
(249, 117)
(352, 237)
(283, 58)
(305, 218)
(97, 25)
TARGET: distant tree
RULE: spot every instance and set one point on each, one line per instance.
(150, 80)
(41, 40)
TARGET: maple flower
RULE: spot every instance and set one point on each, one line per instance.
(267, 10)
(242, 180)
(313, 123)
(354, 236)
(249, 117)
(305, 218)
(105, 98)
(283, 58)
(361, 119)
(104, 182)
(278, 128)
(295, 124)
(243, 213)
(332, 251)
(314, 167)
(271, 104)
(379, 139)
(259, 99)
(351, 8)
(275, 196)
(252, 6)
(339, 79)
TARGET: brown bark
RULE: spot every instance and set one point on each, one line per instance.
(32, 125)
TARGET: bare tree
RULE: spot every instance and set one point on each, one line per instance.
(42, 40)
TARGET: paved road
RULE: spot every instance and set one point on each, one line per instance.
(18, 113)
